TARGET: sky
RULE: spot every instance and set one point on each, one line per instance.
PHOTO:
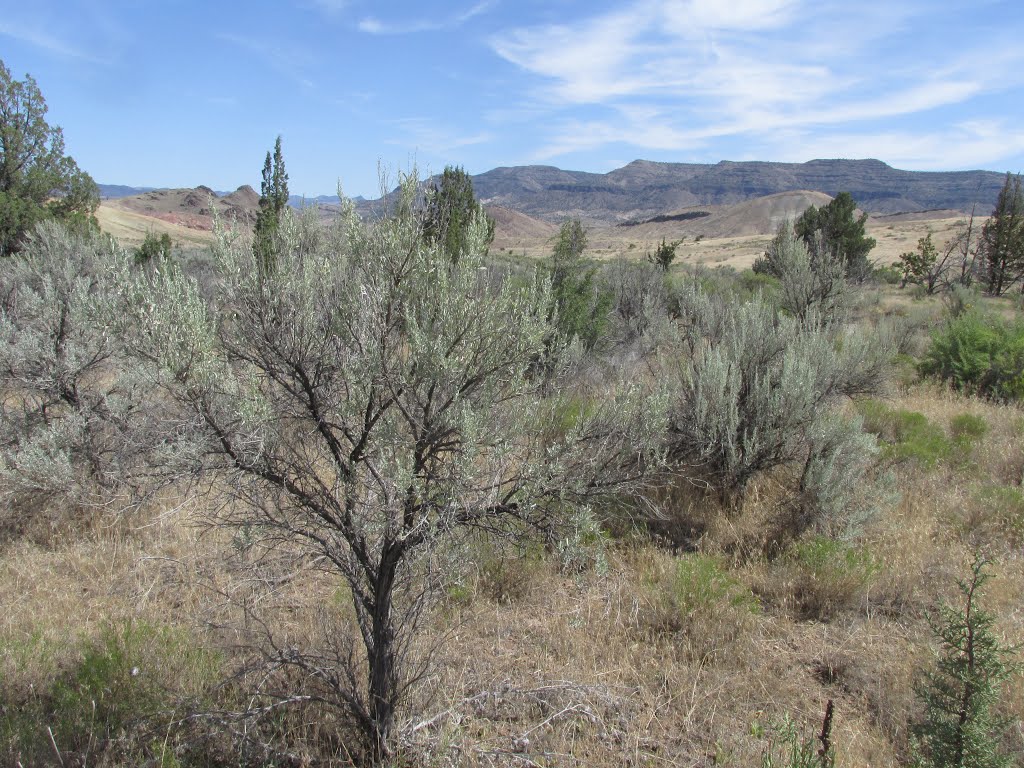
(177, 93)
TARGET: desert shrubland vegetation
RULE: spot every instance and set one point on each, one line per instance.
(358, 492)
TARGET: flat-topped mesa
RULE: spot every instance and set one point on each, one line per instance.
(643, 189)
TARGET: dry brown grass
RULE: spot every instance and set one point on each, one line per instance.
(621, 669)
(131, 227)
(736, 251)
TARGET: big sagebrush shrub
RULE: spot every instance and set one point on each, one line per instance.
(811, 280)
(71, 426)
(761, 390)
(367, 403)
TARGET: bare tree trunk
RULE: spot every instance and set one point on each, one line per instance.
(383, 682)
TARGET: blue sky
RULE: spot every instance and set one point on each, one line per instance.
(181, 93)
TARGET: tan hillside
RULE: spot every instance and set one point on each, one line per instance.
(763, 215)
(182, 210)
(514, 230)
(729, 235)
(131, 227)
(760, 216)
(245, 198)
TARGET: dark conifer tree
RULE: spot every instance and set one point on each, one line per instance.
(1002, 239)
(273, 201)
(832, 231)
(451, 205)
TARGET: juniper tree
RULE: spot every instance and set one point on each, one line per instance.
(965, 244)
(960, 729)
(922, 266)
(1002, 239)
(665, 254)
(153, 248)
(366, 403)
(954, 265)
(273, 202)
(832, 230)
(582, 307)
(451, 207)
(37, 180)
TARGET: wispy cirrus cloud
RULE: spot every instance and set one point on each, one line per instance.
(429, 136)
(49, 42)
(968, 145)
(675, 74)
(289, 60)
(374, 26)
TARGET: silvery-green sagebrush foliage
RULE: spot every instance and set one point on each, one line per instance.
(367, 399)
(761, 389)
(812, 281)
(640, 304)
(70, 398)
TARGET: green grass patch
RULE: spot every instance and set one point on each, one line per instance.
(121, 686)
(906, 435)
(702, 583)
(828, 575)
(967, 429)
(698, 588)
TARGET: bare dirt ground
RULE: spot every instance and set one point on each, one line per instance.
(893, 236)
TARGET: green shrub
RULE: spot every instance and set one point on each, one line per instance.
(459, 594)
(907, 435)
(733, 286)
(572, 410)
(582, 549)
(153, 248)
(889, 274)
(126, 685)
(788, 748)
(507, 575)
(701, 583)
(979, 353)
(919, 440)
(960, 728)
(124, 678)
(752, 284)
(693, 594)
(906, 372)
(877, 417)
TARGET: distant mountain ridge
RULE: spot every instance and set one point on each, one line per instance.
(117, 191)
(644, 189)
